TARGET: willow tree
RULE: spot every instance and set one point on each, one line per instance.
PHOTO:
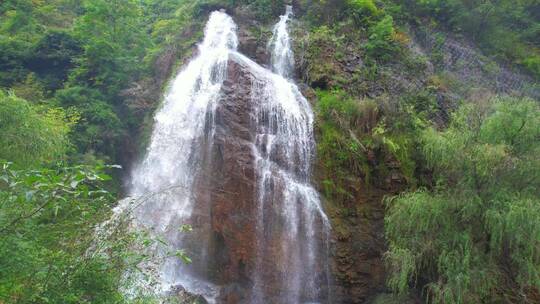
(475, 236)
(32, 135)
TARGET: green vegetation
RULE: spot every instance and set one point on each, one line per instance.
(59, 243)
(46, 236)
(381, 43)
(82, 55)
(340, 151)
(32, 135)
(465, 230)
(474, 236)
(354, 133)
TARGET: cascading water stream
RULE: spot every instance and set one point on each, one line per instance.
(289, 264)
(280, 46)
(183, 126)
(284, 150)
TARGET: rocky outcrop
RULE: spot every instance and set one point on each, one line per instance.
(227, 192)
(179, 293)
(357, 247)
(227, 189)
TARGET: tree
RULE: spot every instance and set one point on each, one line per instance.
(48, 219)
(475, 237)
(99, 128)
(381, 43)
(361, 9)
(114, 44)
(32, 135)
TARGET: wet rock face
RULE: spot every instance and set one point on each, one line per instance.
(227, 191)
(251, 43)
(227, 188)
(250, 46)
(357, 250)
(179, 293)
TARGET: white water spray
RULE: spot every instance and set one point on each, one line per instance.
(280, 46)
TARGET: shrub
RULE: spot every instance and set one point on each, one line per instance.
(31, 135)
(361, 9)
(474, 238)
(532, 64)
(99, 128)
(339, 150)
(47, 224)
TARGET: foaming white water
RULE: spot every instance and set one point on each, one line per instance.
(280, 45)
(183, 125)
(284, 150)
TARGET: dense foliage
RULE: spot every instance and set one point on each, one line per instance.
(474, 237)
(354, 133)
(45, 236)
(82, 55)
(466, 231)
(64, 65)
(32, 134)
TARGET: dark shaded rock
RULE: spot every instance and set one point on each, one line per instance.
(227, 184)
(357, 249)
(248, 44)
(179, 293)
(232, 294)
(252, 36)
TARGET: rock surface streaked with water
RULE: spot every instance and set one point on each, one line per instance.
(231, 154)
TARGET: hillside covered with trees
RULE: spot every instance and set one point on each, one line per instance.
(426, 122)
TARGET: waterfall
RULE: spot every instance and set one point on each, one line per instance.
(280, 46)
(182, 127)
(284, 150)
(289, 263)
